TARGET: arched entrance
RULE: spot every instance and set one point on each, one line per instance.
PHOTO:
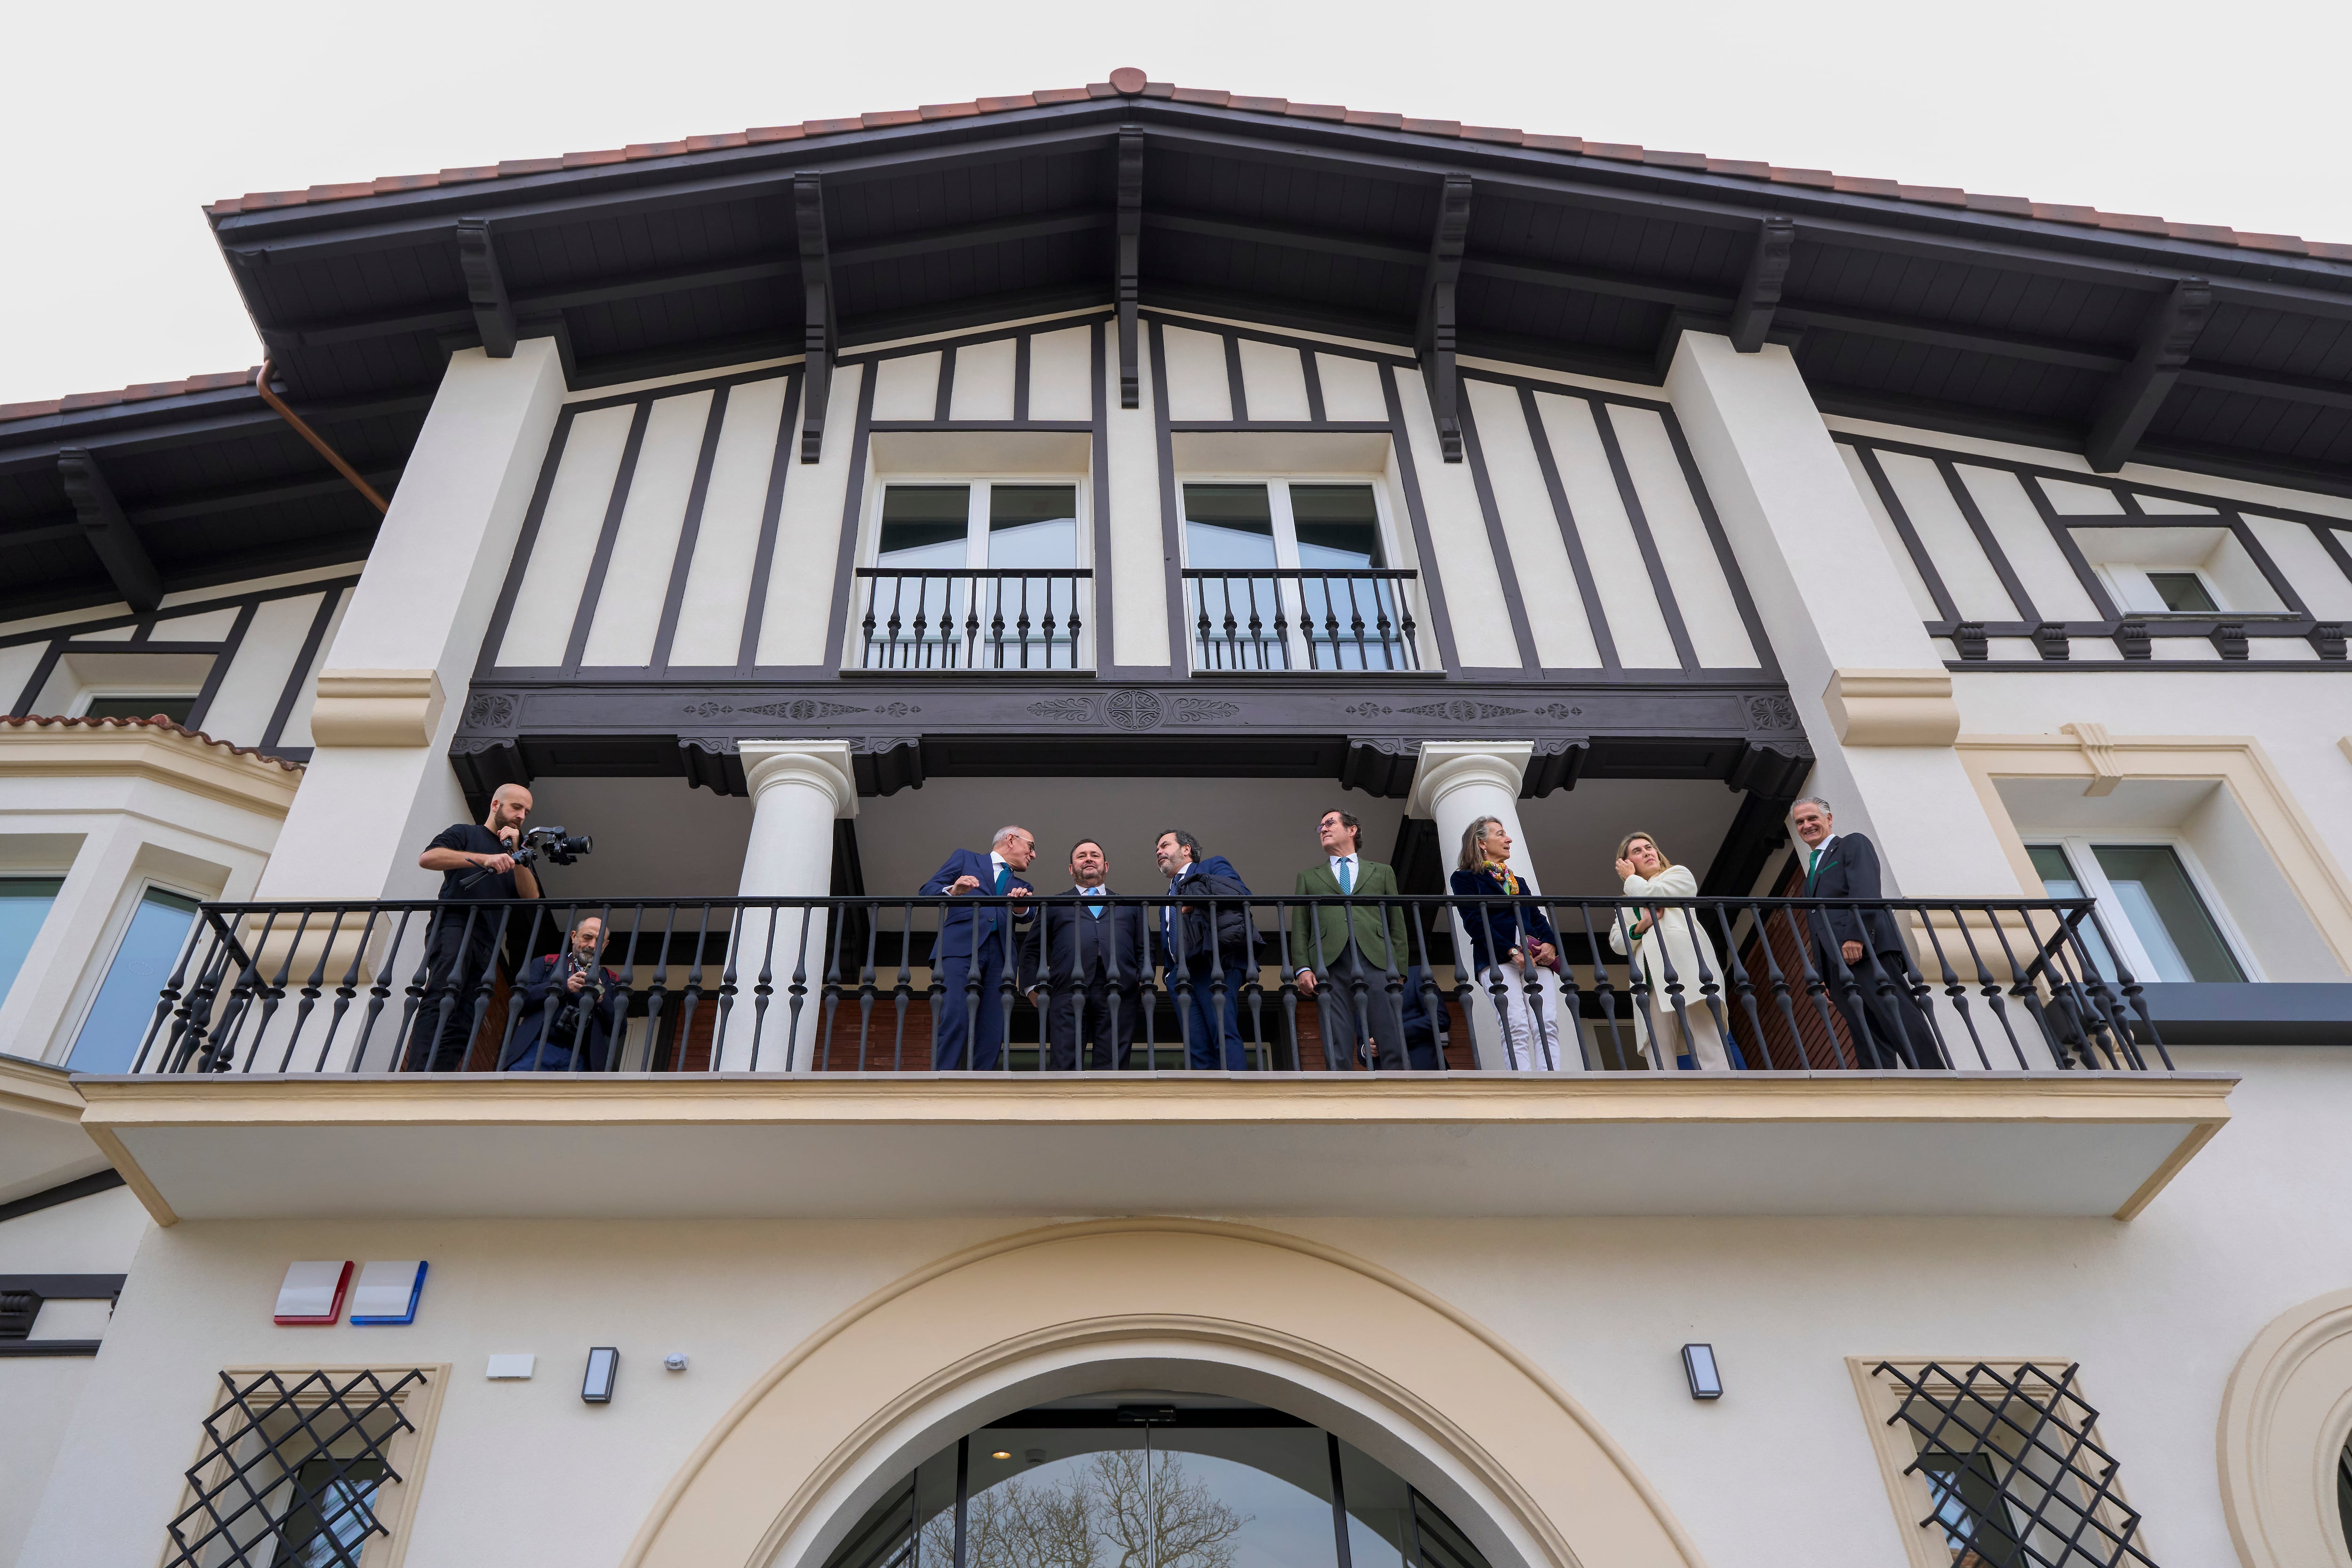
(1229, 1313)
(1154, 1479)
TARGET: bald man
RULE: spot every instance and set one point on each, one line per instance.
(475, 861)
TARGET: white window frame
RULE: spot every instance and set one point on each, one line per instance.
(975, 543)
(108, 691)
(2123, 937)
(117, 932)
(2127, 582)
(1285, 549)
(975, 536)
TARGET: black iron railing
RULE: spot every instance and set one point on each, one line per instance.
(1148, 983)
(1270, 619)
(1025, 618)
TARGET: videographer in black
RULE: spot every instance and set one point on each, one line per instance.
(572, 1007)
(477, 863)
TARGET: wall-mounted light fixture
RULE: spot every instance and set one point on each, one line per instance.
(604, 1367)
(1699, 1366)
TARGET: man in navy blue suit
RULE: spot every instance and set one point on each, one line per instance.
(963, 1035)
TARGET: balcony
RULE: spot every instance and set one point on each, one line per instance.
(1266, 619)
(1030, 620)
(777, 1058)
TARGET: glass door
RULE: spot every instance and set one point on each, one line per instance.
(949, 587)
(1153, 1481)
(1289, 574)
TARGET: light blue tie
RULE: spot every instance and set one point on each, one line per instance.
(1094, 904)
(1348, 875)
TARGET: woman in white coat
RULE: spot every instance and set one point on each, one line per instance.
(1687, 1036)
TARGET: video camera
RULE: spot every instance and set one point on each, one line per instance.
(558, 847)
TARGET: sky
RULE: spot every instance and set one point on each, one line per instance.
(124, 119)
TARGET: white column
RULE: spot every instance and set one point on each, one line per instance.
(392, 686)
(798, 789)
(1453, 784)
(1867, 679)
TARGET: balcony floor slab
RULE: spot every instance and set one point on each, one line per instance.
(847, 1145)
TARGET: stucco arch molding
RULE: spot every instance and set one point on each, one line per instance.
(980, 1333)
(2285, 1417)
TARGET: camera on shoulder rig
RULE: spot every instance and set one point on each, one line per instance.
(558, 847)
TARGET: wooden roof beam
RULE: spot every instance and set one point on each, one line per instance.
(486, 289)
(820, 331)
(2139, 389)
(1131, 259)
(109, 531)
(1759, 291)
(1435, 334)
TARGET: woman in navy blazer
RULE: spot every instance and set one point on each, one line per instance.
(1508, 942)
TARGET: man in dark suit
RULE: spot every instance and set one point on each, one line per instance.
(1861, 943)
(1084, 964)
(1208, 946)
(973, 946)
(570, 1008)
(1344, 955)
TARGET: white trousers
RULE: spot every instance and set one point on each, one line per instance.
(1703, 1042)
(1530, 1036)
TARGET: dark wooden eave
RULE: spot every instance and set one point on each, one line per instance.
(1945, 316)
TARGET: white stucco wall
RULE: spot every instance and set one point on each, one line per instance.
(2156, 1310)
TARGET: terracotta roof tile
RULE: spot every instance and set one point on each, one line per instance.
(145, 392)
(158, 722)
(1126, 81)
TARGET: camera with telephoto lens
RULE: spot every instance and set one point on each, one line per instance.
(558, 847)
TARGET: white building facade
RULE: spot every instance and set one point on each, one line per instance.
(787, 510)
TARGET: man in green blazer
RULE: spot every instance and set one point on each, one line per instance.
(1345, 955)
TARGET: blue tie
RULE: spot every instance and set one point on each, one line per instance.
(1004, 878)
(1348, 875)
(1094, 904)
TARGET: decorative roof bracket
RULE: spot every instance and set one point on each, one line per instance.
(1759, 291)
(486, 289)
(1433, 335)
(109, 531)
(821, 336)
(2130, 403)
(1130, 247)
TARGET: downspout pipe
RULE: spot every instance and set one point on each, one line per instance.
(318, 443)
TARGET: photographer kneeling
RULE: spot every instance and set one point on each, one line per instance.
(478, 864)
(573, 1007)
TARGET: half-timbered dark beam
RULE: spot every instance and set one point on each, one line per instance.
(486, 289)
(1434, 335)
(819, 336)
(110, 532)
(2139, 389)
(1130, 258)
(2268, 383)
(1759, 291)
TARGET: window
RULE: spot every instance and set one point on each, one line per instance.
(175, 708)
(118, 1017)
(982, 574)
(2149, 904)
(307, 1469)
(1288, 574)
(1999, 1465)
(23, 903)
(2182, 593)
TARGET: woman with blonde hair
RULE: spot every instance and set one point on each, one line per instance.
(1508, 942)
(1666, 944)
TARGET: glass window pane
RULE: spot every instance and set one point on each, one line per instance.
(118, 1020)
(1032, 525)
(2181, 590)
(2165, 912)
(924, 526)
(2059, 881)
(1228, 526)
(1338, 525)
(177, 709)
(23, 903)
